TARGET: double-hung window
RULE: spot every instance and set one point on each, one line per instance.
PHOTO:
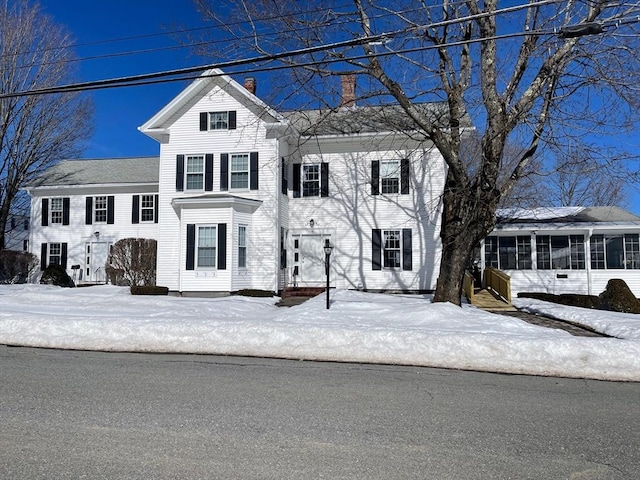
(56, 209)
(147, 208)
(239, 170)
(194, 172)
(206, 251)
(390, 176)
(100, 209)
(55, 254)
(391, 248)
(242, 246)
(311, 180)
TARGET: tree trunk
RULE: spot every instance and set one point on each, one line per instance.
(468, 216)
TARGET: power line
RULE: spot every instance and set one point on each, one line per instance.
(160, 77)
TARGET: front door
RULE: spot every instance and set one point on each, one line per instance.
(311, 261)
(96, 258)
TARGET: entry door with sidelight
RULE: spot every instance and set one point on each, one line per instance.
(95, 260)
(311, 261)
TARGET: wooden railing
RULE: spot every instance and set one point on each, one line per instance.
(499, 282)
(468, 287)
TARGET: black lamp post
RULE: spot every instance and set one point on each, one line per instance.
(327, 254)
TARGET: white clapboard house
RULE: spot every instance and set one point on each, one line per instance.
(242, 196)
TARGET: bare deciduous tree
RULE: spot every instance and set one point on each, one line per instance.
(35, 131)
(534, 74)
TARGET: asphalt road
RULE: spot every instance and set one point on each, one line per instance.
(73, 415)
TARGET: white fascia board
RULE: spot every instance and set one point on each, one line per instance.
(152, 127)
(559, 228)
(112, 187)
(215, 201)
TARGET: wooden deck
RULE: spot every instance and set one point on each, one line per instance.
(486, 300)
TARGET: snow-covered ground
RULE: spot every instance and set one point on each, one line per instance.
(359, 327)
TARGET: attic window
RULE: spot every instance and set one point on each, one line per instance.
(217, 120)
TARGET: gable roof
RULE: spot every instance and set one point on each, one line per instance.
(565, 216)
(156, 126)
(101, 171)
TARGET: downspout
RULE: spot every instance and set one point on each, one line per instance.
(181, 250)
(278, 226)
(587, 261)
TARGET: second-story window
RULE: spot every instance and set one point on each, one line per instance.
(240, 170)
(100, 209)
(195, 172)
(311, 180)
(390, 176)
(56, 210)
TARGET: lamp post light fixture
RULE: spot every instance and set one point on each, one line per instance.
(327, 255)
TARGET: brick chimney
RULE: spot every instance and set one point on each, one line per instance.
(348, 83)
(250, 84)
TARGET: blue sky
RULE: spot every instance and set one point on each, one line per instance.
(120, 111)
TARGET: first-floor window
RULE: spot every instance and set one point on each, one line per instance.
(100, 209)
(560, 252)
(242, 246)
(508, 253)
(55, 254)
(615, 251)
(206, 246)
(391, 248)
(147, 208)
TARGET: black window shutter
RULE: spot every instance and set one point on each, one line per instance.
(324, 179)
(404, 176)
(45, 212)
(204, 121)
(253, 170)
(376, 252)
(179, 173)
(375, 177)
(191, 246)
(224, 171)
(406, 249)
(222, 246)
(155, 209)
(232, 120)
(110, 209)
(208, 172)
(135, 209)
(296, 180)
(63, 256)
(43, 256)
(283, 176)
(66, 206)
(88, 211)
